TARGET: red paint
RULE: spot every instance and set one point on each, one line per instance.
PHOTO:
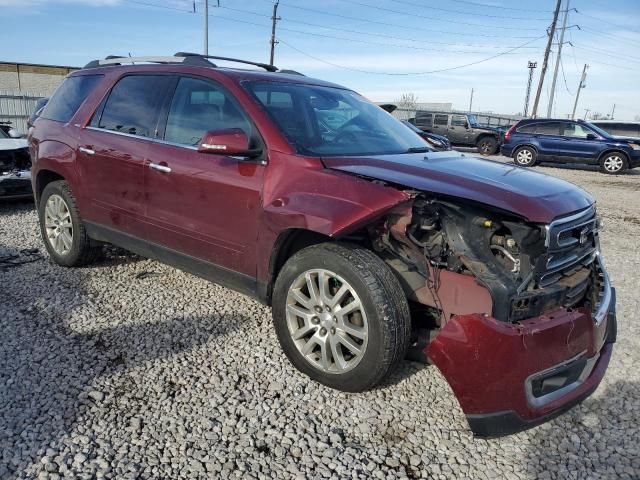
(486, 362)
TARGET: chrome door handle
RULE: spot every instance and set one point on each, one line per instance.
(160, 168)
(86, 150)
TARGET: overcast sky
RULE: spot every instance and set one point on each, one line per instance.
(372, 46)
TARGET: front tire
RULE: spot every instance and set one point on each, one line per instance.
(487, 146)
(614, 163)
(341, 316)
(525, 157)
(62, 229)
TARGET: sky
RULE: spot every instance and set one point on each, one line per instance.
(437, 50)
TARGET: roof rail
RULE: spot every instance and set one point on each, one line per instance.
(267, 67)
(185, 58)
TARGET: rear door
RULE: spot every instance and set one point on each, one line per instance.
(203, 205)
(441, 124)
(113, 148)
(550, 141)
(424, 121)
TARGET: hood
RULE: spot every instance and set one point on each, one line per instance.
(12, 143)
(535, 196)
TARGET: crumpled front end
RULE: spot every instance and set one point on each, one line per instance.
(518, 316)
(15, 173)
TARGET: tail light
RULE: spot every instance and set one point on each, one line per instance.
(508, 134)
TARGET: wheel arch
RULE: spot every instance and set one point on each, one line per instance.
(613, 150)
(521, 145)
(44, 178)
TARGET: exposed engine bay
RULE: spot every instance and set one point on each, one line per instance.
(462, 258)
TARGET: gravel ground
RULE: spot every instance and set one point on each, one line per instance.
(132, 369)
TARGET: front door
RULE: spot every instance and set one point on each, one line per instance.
(582, 145)
(203, 205)
(459, 130)
(112, 152)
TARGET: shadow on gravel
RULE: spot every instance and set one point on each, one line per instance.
(47, 368)
(600, 438)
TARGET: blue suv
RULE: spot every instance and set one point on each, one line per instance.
(569, 141)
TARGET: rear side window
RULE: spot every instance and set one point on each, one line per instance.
(199, 106)
(424, 119)
(527, 129)
(69, 96)
(440, 119)
(133, 105)
(548, 128)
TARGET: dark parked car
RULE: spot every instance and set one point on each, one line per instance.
(438, 142)
(365, 242)
(568, 141)
(461, 129)
(15, 166)
(616, 128)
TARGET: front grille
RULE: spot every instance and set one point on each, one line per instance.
(572, 244)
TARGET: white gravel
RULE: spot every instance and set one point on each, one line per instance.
(107, 375)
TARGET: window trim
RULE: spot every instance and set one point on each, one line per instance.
(99, 110)
(560, 130)
(444, 115)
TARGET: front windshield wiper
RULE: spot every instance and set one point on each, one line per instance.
(419, 150)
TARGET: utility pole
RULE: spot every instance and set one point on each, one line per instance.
(274, 20)
(206, 27)
(580, 87)
(613, 110)
(586, 113)
(545, 63)
(471, 101)
(531, 66)
(555, 71)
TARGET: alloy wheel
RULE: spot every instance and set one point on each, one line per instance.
(327, 321)
(524, 157)
(613, 163)
(58, 225)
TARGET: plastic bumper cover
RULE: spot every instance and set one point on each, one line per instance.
(511, 377)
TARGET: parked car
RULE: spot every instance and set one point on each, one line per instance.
(616, 128)
(15, 165)
(461, 129)
(365, 243)
(438, 142)
(568, 141)
(40, 104)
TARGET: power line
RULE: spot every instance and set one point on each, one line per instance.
(601, 20)
(430, 7)
(413, 15)
(448, 69)
(598, 51)
(594, 32)
(487, 5)
(389, 24)
(359, 32)
(564, 77)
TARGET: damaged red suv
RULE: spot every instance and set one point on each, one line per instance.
(369, 246)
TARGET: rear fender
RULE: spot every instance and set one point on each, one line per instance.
(56, 157)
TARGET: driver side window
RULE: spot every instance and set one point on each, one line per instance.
(576, 131)
(199, 106)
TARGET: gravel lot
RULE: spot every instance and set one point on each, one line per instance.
(132, 369)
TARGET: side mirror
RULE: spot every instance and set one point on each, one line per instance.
(591, 136)
(231, 142)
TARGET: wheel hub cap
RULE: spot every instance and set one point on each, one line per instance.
(58, 226)
(326, 321)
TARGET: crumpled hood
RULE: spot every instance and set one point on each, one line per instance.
(13, 143)
(537, 197)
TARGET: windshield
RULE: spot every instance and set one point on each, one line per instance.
(3, 134)
(326, 121)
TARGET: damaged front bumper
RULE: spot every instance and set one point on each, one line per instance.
(15, 184)
(509, 377)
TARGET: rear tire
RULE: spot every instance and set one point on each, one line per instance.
(487, 146)
(350, 352)
(63, 232)
(614, 163)
(525, 157)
